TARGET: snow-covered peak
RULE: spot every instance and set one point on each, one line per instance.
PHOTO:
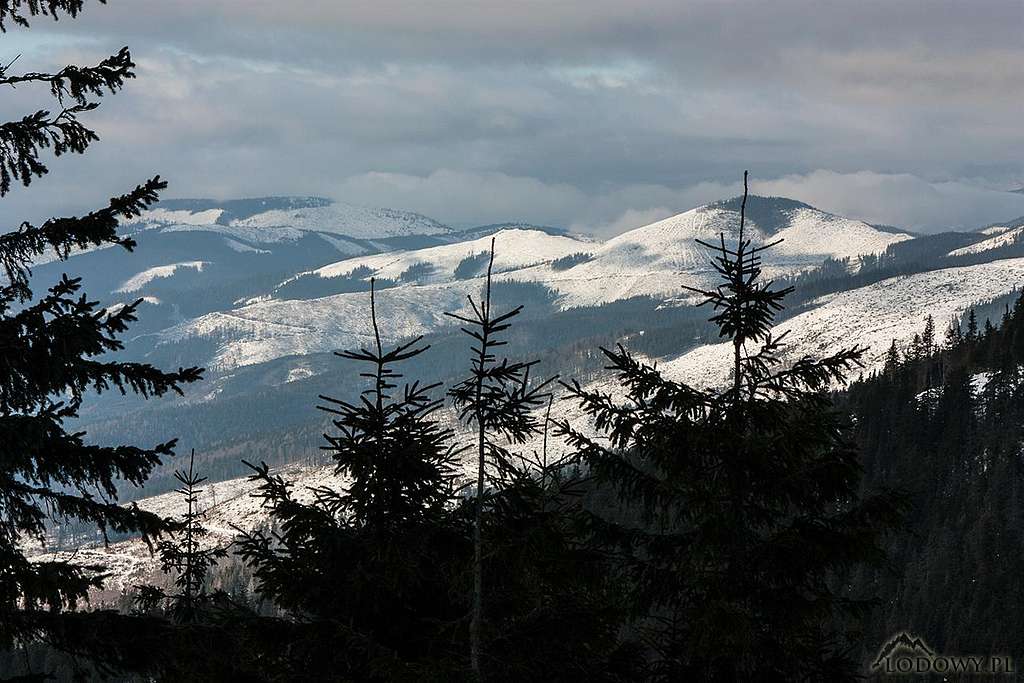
(276, 219)
(806, 233)
(323, 308)
(346, 219)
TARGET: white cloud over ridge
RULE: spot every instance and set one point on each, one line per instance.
(901, 200)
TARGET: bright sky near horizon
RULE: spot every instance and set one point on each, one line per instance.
(594, 114)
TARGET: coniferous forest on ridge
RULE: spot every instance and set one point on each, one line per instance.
(782, 526)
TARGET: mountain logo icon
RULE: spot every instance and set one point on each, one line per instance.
(902, 642)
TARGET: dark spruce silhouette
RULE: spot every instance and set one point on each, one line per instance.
(735, 508)
(54, 352)
(497, 401)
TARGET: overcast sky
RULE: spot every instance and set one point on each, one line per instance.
(599, 115)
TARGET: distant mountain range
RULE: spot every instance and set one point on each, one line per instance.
(262, 291)
(260, 303)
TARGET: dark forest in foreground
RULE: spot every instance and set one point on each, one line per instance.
(771, 529)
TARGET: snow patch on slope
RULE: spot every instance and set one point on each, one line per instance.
(1005, 237)
(113, 309)
(266, 330)
(139, 280)
(516, 249)
(995, 229)
(227, 506)
(181, 216)
(269, 235)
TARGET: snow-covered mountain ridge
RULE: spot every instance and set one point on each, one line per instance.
(653, 261)
(281, 285)
(272, 219)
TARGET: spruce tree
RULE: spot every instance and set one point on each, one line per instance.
(954, 334)
(892, 360)
(56, 348)
(554, 610)
(364, 574)
(738, 508)
(972, 325)
(186, 556)
(928, 336)
(401, 462)
(498, 402)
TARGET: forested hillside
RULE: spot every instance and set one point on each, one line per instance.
(944, 421)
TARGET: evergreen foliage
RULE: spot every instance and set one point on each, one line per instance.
(472, 266)
(363, 574)
(54, 352)
(946, 426)
(497, 401)
(571, 260)
(184, 557)
(402, 462)
(737, 510)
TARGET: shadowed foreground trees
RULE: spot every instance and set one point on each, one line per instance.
(497, 402)
(706, 539)
(369, 569)
(737, 511)
(54, 351)
(378, 581)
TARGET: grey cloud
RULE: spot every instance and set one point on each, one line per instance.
(902, 200)
(591, 113)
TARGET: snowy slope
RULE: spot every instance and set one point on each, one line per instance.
(181, 216)
(647, 261)
(276, 219)
(346, 219)
(139, 280)
(994, 229)
(270, 328)
(1000, 238)
(870, 316)
(653, 260)
(225, 505)
(266, 330)
(516, 249)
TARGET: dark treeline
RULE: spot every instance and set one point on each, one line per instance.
(944, 421)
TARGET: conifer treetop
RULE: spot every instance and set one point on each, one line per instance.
(402, 462)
